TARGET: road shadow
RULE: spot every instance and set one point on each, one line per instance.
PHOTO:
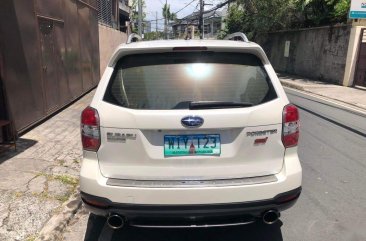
(97, 230)
(7, 151)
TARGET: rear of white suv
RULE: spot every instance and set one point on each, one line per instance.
(183, 133)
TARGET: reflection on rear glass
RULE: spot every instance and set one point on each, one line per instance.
(164, 82)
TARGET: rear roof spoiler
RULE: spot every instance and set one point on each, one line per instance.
(238, 36)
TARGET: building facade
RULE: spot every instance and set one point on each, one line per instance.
(114, 14)
(51, 52)
(213, 23)
(50, 56)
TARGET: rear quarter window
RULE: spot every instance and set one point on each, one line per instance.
(168, 80)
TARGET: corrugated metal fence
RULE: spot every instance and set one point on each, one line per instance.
(50, 55)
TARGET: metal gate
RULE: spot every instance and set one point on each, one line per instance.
(360, 75)
(50, 56)
(49, 67)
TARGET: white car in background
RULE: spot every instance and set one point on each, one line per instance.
(189, 133)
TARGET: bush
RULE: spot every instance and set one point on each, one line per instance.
(262, 16)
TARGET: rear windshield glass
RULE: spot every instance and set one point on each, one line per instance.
(174, 80)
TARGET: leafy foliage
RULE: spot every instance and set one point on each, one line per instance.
(258, 16)
(167, 14)
(341, 10)
(154, 36)
(135, 14)
(322, 12)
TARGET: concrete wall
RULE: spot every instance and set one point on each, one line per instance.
(316, 53)
(353, 50)
(109, 39)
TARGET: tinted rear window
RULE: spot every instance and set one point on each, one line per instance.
(166, 80)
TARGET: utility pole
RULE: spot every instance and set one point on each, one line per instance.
(165, 20)
(203, 20)
(156, 25)
(200, 21)
(140, 17)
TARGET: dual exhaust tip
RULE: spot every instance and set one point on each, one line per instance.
(116, 221)
(270, 216)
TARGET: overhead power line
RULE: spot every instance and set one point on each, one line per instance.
(195, 15)
(176, 11)
(218, 6)
(184, 7)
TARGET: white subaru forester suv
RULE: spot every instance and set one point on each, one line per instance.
(189, 133)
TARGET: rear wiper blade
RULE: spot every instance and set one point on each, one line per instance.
(196, 105)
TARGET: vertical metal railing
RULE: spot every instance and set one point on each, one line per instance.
(105, 12)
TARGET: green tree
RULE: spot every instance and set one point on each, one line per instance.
(324, 12)
(169, 16)
(154, 35)
(341, 9)
(135, 14)
(256, 16)
(261, 16)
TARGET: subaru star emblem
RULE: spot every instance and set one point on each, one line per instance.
(192, 121)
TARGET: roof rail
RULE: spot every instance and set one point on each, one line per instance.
(133, 38)
(238, 36)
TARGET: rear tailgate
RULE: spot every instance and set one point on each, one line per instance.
(140, 155)
(144, 104)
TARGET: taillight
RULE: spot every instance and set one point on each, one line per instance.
(90, 134)
(290, 126)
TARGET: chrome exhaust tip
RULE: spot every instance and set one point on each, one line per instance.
(271, 216)
(115, 221)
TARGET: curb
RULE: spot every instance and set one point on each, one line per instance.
(292, 85)
(55, 226)
(335, 102)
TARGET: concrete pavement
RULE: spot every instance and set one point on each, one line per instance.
(41, 175)
(355, 97)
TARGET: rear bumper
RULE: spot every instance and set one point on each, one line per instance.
(133, 202)
(134, 211)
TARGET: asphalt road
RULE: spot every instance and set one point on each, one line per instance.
(347, 116)
(332, 205)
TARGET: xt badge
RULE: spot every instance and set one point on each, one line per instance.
(120, 137)
(264, 134)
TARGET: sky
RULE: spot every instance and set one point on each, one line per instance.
(153, 6)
